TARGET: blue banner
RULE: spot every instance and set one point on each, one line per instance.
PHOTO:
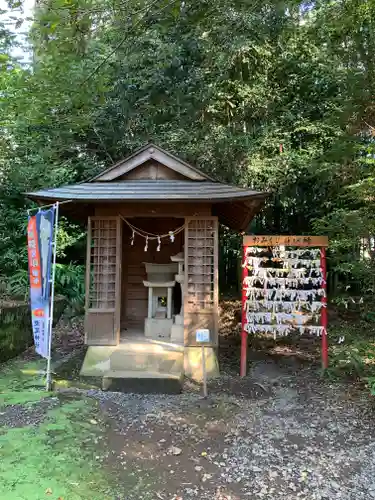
(40, 244)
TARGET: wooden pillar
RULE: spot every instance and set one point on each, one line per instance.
(324, 317)
(244, 339)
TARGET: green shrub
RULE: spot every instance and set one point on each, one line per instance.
(354, 357)
(15, 327)
(13, 341)
(371, 384)
(69, 282)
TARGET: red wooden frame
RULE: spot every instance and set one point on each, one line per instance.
(298, 241)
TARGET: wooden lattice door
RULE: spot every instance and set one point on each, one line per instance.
(201, 277)
(103, 281)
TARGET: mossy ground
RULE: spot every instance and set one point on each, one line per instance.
(61, 457)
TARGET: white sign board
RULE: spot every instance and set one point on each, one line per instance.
(202, 335)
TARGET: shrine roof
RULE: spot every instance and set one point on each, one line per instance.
(152, 174)
(144, 190)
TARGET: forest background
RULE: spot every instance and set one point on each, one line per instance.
(276, 95)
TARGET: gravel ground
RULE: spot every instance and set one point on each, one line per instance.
(299, 438)
(13, 416)
(280, 433)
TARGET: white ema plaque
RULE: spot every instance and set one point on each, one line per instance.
(202, 335)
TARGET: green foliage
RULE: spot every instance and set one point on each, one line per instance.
(371, 385)
(18, 284)
(229, 261)
(276, 95)
(15, 326)
(70, 238)
(354, 356)
(14, 339)
(69, 282)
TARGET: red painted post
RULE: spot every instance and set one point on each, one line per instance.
(324, 317)
(243, 366)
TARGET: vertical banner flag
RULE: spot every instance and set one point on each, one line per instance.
(40, 243)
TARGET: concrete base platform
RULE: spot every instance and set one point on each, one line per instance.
(137, 364)
(177, 333)
(136, 359)
(158, 328)
(193, 362)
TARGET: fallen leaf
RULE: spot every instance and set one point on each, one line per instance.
(303, 475)
(173, 450)
(205, 477)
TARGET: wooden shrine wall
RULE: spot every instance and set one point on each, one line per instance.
(154, 209)
(134, 293)
(201, 261)
(152, 170)
(103, 277)
(201, 305)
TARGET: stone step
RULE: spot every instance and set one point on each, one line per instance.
(141, 374)
(146, 382)
(135, 359)
(166, 362)
(149, 345)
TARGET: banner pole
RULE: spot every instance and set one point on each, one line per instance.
(204, 372)
(47, 206)
(50, 323)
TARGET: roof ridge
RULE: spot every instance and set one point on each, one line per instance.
(175, 163)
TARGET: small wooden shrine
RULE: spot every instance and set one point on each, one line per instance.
(152, 261)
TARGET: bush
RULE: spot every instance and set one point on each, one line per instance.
(69, 282)
(15, 327)
(13, 341)
(352, 349)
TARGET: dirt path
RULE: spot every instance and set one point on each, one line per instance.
(304, 439)
(280, 433)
